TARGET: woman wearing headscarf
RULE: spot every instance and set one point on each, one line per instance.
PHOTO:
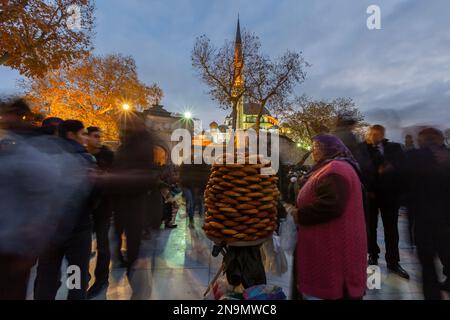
(331, 254)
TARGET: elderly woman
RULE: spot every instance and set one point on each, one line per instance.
(331, 256)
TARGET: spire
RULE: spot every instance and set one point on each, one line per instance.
(238, 32)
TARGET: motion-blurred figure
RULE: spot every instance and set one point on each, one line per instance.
(28, 177)
(168, 176)
(344, 131)
(103, 212)
(409, 143)
(73, 238)
(384, 197)
(427, 178)
(135, 174)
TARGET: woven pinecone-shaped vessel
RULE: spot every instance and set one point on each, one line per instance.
(240, 202)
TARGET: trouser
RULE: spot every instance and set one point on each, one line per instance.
(167, 213)
(198, 203)
(101, 229)
(14, 275)
(432, 244)
(119, 230)
(389, 216)
(77, 251)
(189, 202)
(130, 210)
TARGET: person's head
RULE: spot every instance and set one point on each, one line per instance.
(94, 140)
(376, 134)
(409, 139)
(73, 130)
(345, 120)
(327, 146)
(430, 137)
(50, 125)
(15, 112)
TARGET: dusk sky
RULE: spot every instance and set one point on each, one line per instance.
(398, 76)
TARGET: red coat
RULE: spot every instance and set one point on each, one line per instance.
(332, 256)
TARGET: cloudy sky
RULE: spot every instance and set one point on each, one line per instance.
(399, 75)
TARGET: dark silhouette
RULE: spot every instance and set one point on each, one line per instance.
(103, 212)
(73, 240)
(427, 179)
(384, 194)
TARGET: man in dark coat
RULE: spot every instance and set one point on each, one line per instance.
(73, 238)
(103, 212)
(384, 196)
(427, 179)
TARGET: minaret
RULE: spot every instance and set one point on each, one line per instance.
(239, 76)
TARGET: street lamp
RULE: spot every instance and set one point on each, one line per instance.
(126, 107)
(188, 115)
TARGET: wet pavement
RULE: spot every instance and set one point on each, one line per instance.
(177, 264)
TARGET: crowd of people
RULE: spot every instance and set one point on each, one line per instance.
(349, 186)
(59, 185)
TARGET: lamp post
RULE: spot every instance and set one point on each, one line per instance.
(188, 115)
(125, 108)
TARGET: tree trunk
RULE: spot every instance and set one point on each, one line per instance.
(5, 58)
(258, 118)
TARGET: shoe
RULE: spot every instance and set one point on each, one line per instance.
(398, 270)
(96, 289)
(373, 261)
(171, 226)
(445, 286)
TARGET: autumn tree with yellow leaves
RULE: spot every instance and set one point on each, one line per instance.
(93, 90)
(41, 35)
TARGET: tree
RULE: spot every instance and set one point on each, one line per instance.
(41, 35)
(216, 68)
(306, 117)
(93, 90)
(271, 82)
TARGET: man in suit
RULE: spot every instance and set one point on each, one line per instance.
(384, 193)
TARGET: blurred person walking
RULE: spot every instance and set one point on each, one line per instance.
(384, 196)
(344, 131)
(134, 174)
(427, 179)
(331, 254)
(73, 239)
(102, 213)
(28, 178)
(409, 143)
(168, 177)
